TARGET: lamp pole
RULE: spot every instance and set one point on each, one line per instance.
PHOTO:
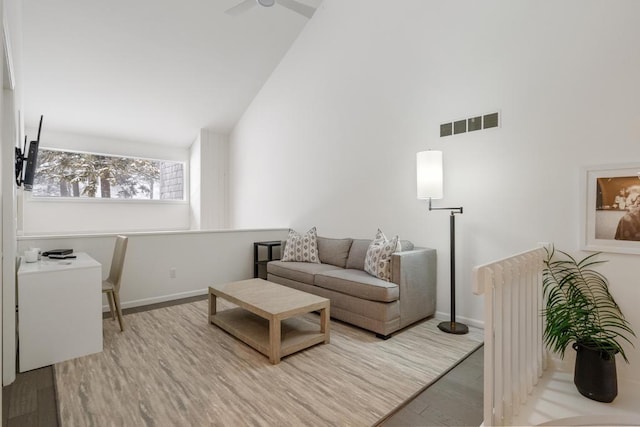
(452, 327)
(429, 174)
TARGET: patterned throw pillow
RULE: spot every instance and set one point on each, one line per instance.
(378, 259)
(301, 247)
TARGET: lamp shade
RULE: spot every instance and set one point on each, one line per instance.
(429, 173)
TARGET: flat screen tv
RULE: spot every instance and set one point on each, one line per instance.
(31, 157)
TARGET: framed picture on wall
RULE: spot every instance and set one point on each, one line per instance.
(612, 208)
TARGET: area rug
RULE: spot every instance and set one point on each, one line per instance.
(170, 367)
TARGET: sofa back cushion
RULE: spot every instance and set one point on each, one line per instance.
(334, 251)
(358, 252)
(406, 245)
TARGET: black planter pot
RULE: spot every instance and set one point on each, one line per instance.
(595, 373)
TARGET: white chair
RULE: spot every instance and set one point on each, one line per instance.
(111, 286)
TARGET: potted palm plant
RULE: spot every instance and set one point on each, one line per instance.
(579, 310)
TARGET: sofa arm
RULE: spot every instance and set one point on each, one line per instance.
(415, 273)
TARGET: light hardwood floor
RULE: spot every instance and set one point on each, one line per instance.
(455, 399)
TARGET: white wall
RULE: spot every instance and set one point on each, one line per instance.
(3, 165)
(46, 216)
(10, 134)
(209, 163)
(200, 258)
(195, 183)
(331, 138)
(90, 216)
(96, 144)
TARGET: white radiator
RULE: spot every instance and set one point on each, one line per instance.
(514, 351)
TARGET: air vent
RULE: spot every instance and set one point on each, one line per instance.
(459, 127)
(491, 120)
(446, 129)
(472, 124)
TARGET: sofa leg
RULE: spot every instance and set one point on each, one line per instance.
(383, 337)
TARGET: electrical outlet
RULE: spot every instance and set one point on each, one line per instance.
(172, 273)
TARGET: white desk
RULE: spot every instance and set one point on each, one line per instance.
(59, 310)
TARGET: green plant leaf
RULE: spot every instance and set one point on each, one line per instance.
(579, 307)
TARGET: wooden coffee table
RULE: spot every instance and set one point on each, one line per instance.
(265, 316)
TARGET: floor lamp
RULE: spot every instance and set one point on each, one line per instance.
(430, 184)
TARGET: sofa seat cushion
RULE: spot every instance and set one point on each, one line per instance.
(359, 284)
(300, 271)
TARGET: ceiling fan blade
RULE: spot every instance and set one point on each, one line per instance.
(298, 7)
(240, 8)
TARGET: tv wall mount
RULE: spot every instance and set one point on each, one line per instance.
(25, 175)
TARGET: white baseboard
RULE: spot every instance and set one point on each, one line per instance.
(467, 321)
(156, 300)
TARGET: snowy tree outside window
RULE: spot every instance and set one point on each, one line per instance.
(88, 175)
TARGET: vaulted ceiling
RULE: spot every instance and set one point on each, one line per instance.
(154, 71)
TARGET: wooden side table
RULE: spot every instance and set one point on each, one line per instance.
(257, 262)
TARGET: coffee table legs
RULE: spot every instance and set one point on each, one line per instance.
(212, 305)
(275, 334)
(324, 323)
(274, 340)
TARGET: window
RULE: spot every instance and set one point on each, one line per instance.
(88, 175)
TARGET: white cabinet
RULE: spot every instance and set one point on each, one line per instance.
(59, 310)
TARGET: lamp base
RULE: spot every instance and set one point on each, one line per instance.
(453, 328)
